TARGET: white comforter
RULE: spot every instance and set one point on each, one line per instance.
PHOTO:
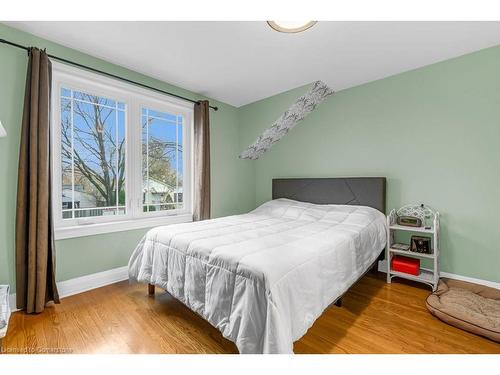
(264, 277)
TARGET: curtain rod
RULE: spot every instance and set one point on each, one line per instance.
(105, 73)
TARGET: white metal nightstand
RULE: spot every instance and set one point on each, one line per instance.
(426, 276)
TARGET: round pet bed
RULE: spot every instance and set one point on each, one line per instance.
(471, 307)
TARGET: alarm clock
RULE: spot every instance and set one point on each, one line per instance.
(409, 221)
(415, 215)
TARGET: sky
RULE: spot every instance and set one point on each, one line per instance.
(162, 126)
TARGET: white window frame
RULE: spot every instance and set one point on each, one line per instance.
(135, 98)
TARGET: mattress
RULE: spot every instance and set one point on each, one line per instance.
(264, 277)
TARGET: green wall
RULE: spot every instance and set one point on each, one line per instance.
(433, 132)
(80, 256)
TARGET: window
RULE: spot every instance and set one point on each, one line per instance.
(162, 164)
(92, 155)
(121, 155)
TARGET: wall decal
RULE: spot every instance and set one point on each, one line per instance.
(296, 113)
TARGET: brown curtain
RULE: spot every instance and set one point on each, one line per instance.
(201, 204)
(35, 263)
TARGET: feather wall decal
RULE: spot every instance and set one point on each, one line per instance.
(288, 120)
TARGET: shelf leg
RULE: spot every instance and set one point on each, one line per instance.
(390, 240)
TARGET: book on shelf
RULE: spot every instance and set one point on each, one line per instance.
(400, 246)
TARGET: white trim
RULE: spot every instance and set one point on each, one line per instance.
(97, 280)
(84, 283)
(119, 226)
(187, 159)
(88, 282)
(134, 99)
(107, 81)
(492, 284)
(12, 302)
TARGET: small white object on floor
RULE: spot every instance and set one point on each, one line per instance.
(4, 309)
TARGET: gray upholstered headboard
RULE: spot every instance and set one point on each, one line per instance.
(359, 191)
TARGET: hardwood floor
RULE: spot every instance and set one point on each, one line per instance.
(375, 317)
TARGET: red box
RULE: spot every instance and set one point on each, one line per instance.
(405, 265)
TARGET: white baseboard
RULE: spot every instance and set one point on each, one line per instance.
(96, 280)
(491, 284)
(12, 302)
(84, 283)
(88, 282)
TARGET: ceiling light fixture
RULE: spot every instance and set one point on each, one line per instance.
(291, 26)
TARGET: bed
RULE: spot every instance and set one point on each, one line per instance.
(264, 277)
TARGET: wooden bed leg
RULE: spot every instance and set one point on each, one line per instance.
(338, 302)
(151, 290)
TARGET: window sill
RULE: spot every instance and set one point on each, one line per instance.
(119, 226)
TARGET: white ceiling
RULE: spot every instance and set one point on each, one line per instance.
(241, 62)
